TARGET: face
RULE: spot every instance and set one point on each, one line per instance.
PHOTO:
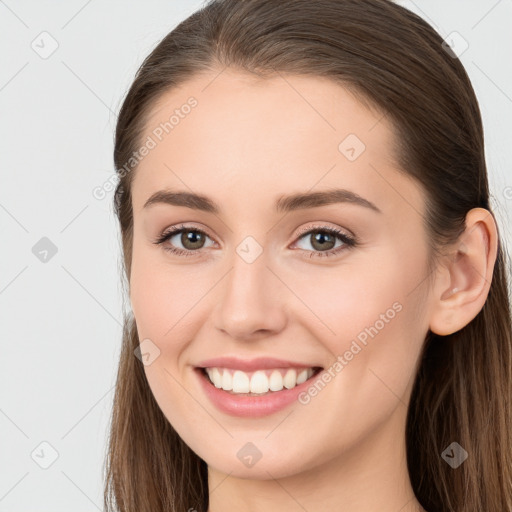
(266, 287)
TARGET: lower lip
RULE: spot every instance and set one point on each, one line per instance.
(251, 406)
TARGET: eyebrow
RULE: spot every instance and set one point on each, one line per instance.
(283, 204)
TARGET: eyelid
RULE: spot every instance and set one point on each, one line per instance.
(324, 226)
(184, 226)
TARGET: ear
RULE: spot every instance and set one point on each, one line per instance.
(464, 279)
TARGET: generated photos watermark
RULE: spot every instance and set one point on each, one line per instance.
(150, 143)
(356, 346)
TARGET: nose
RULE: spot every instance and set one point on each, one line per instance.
(251, 301)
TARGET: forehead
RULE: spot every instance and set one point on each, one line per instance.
(262, 138)
(265, 106)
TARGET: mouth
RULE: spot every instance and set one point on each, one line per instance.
(254, 388)
(261, 382)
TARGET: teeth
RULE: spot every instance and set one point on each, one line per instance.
(216, 378)
(290, 379)
(276, 381)
(240, 382)
(227, 381)
(260, 381)
(302, 377)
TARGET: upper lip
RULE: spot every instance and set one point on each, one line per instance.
(248, 365)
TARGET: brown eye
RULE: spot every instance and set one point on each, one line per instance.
(192, 239)
(323, 241)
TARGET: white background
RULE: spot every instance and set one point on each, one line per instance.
(61, 320)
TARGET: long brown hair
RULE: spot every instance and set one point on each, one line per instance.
(395, 62)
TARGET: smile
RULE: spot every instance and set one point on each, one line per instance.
(254, 388)
(258, 382)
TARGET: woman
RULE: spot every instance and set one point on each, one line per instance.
(318, 287)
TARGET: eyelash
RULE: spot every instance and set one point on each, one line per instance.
(349, 242)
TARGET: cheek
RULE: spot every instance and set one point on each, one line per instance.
(392, 332)
(166, 302)
(371, 314)
(372, 372)
(344, 301)
(375, 291)
(163, 297)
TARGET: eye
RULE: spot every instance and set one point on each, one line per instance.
(323, 241)
(192, 239)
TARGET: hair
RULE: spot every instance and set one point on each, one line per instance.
(394, 62)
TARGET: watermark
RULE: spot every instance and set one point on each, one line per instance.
(351, 147)
(45, 45)
(44, 250)
(147, 352)
(150, 143)
(44, 455)
(249, 454)
(507, 193)
(454, 44)
(454, 455)
(249, 249)
(325, 376)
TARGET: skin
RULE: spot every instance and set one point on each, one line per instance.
(248, 142)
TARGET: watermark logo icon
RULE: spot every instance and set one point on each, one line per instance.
(45, 45)
(454, 44)
(147, 352)
(351, 147)
(44, 455)
(249, 249)
(44, 250)
(454, 455)
(249, 454)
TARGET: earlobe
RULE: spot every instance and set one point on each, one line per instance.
(466, 275)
